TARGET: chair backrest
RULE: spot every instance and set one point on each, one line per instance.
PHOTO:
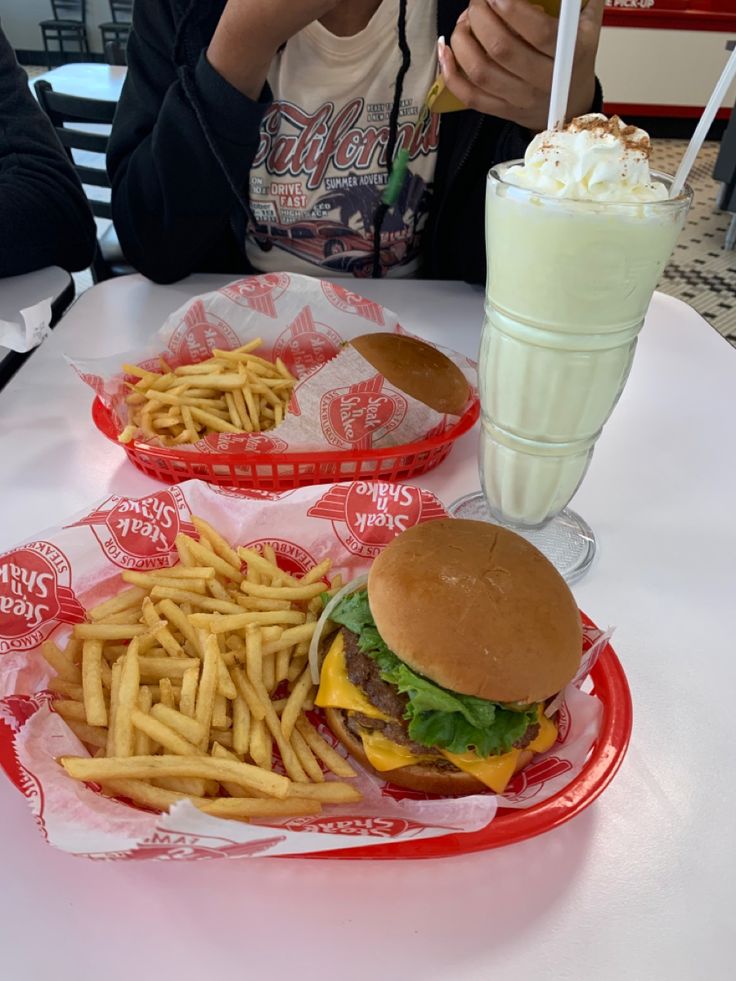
(69, 10)
(122, 11)
(115, 53)
(65, 109)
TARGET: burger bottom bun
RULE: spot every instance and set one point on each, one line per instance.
(427, 778)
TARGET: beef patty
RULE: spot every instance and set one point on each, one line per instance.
(366, 675)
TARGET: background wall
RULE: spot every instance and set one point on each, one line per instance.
(20, 19)
(661, 68)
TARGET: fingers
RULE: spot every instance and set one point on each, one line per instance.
(469, 94)
(487, 73)
(592, 13)
(531, 23)
(502, 59)
(504, 46)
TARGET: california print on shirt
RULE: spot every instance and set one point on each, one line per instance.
(324, 176)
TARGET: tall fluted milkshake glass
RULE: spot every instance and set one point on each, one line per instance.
(569, 282)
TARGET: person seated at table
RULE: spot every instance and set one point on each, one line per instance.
(258, 136)
(44, 216)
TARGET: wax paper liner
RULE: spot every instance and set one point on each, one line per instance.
(340, 402)
(47, 583)
(29, 330)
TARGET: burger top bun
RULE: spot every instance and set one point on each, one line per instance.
(416, 368)
(476, 609)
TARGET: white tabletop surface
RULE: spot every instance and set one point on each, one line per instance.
(641, 886)
(88, 79)
(19, 292)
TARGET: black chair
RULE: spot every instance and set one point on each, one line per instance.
(725, 172)
(69, 24)
(115, 53)
(118, 28)
(64, 110)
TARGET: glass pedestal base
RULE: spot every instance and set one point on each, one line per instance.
(566, 540)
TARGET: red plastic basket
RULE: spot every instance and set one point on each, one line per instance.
(510, 825)
(284, 471)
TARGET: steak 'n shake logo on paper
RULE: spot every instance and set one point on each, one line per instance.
(291, 558)
(140, 533)
(564, 723)
(354, 303)
(199, 333)
(361, 414)
(306, 344)
(531, 780)
(35, 595)
(366, 827)
(367, 515)
(258, 293)
(242, 443)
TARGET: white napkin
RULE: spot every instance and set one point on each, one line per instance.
(30, 330)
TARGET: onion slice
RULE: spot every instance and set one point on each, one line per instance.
(555, 704)
(351, 587)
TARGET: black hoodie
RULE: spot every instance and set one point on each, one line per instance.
(44, 216)
(184, 139)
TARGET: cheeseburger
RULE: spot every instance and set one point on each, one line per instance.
(445, 662)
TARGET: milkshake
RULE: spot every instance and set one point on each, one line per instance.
(577, 235)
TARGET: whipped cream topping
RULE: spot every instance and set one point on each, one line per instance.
(592, 159)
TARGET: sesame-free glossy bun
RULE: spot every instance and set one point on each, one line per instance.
(417, 369)
(421, 776)
(477, 609)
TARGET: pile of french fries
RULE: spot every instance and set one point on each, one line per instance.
(194, 682)
(232, 392)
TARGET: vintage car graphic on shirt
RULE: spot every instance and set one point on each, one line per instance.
(325, 173)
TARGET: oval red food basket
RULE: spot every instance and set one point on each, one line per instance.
(285, 471)
(511, 825)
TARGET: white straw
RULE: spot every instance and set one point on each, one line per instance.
(567, 33)
(701, 131)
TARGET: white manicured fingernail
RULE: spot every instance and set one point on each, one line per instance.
(441, 51)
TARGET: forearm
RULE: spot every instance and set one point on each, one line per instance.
(249, 34)
(44, 221)
(173, 188)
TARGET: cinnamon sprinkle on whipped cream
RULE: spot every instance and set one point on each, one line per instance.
(593, 158)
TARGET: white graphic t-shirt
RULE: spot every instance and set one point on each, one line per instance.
(320, 169)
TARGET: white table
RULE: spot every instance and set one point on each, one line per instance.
(87, 79)
(19, 292)
(641, 886)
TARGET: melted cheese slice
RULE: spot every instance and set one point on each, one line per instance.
(336, 690)
(385, 754)
(495, 772)
(547, 735)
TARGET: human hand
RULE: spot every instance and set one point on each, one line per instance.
(502, 58)
(250, 32)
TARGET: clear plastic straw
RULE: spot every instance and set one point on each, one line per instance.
(567, 33)
(701, 130)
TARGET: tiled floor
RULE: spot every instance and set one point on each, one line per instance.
(701, 272)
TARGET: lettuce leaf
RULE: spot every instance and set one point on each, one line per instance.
(436, 716)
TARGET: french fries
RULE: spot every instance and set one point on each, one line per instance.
(192, 683)
(231, 392)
